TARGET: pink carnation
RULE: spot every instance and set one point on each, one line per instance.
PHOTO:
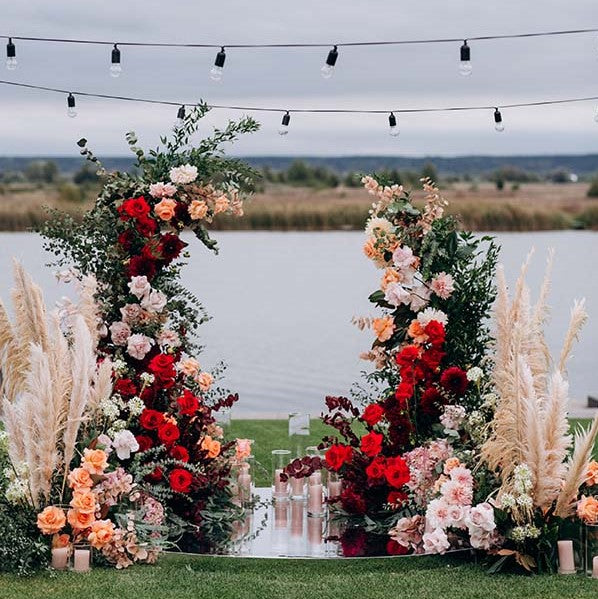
(138, 345)
(443, 285)
(169, 338)
(130, 313)
(455, 493)
(162, 190)
(403, 257)
(120, 332)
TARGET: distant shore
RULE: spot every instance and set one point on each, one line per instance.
(481, 207)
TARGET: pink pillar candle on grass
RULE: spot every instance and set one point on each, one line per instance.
(82, 559)
(244, 482)
(315, 500)
(566, 561)
(595, 566)
(60, 558)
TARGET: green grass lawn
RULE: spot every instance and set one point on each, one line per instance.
(182, 577)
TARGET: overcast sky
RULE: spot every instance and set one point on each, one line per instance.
(504, 71)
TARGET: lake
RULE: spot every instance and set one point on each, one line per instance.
(282, 304)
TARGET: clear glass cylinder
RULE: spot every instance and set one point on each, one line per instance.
(335, 485)
(298, 432)
(280, 460)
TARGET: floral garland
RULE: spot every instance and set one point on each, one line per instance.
(162, 409)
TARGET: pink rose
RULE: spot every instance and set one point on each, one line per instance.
(154, 301)
(481, 517)
(403, 257)
(138, 346)
(120, 332)
(408, 532)
(139, 286)
(243, 449)
(436, 541)
(189, 366)
(396, 294)
(168, 337)
(204, 380)
(462, 476)
(130, 313)
(455, 493)
(162, 190)
(443, 285)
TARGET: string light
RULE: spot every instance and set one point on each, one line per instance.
(71, 111)
(465, 62)
(11, 55)
(115, 67)
(498, 124)
(392, 125)
(180, 117)
(284, 125)
(328, 68)
(216, 72)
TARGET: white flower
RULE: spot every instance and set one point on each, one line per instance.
(396, 294)
(109, 408)
(429, 314)
(119, 365)
(139, 286)
(480, 517)
(147, 377)
(138, 345)
(124, 444)
(475, 374)
(436, 541)
(452, 417)
(118, 425)
(106, 441)
(420, 295)
(183, 174)
(154, 301)
(135, 406)
(525, 501)
(376, 225)
(507, 500)
(437, 514)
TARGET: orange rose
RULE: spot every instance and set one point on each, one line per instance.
(383, 327)
(95, 461)
(84, 502)
(592, 474)
(165, 208)
(390, 276)
(80, 520)
(369, 249)
(80, 479)
(197, 209)
(101, 533)
(50, 520)
(587, 509)
(204, 380)
(243, 449)
(450, 464)
(221, 204)
(211, 446)
(189, 366)
(416, 332)
(60, 540)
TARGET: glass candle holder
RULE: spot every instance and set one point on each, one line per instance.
(335, 485)
(298, 432)
(315, 496)
(280, 460)
(61, 557)
(297, 488)
(244, 483)
(223, 418)
(82, 557)
(591, 547)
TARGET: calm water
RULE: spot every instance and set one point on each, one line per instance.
(282, 305)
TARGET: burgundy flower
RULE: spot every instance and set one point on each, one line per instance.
(354, 542)
(140, 265)
(352, 502)
(170, 247)
(454, 379)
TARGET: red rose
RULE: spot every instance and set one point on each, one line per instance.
(134, 208)
(180, 480)
(151, 419)
(371, 444)
(435, 332)
(125, 387)
(178, 452)
(170, 247)
(397, 498)
(188, 403)
(145, 442)
(375, 471)
(146, 226)
(373, 414)
(140, 265)
(403, 393)
(407, 355)
(394, 548)
(162, 366)
(155, 475)
(431, 358)
(126, 239)
(337, 455)
(454, 379)
(397, 472)
(352, 502)
(168, 433)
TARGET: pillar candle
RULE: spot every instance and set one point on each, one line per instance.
(296, 518)
(315, 478)
(314, 499)
(297, 485)
(281, 516)
(314, 530)
(81, 560)
(566, 561)
(280, 487)
(60, 557)
(595, 567)
(245, 486)
(335, 488)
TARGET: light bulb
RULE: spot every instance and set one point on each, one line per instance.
(393, 130)
(216, 71)
(498, 124)
(71, 111)
(328, 69)
(180, 118)
(11, 55)
(115, 68)
(284, 125)
(465, 62)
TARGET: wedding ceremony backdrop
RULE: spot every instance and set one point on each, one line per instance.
(455, 449)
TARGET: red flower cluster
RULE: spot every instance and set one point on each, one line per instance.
(337, 455)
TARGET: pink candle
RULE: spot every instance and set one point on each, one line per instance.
(81, 560)
(280, 487)
(314, 499)
(60, 557)
(315, 478)
(566, 561)
(245, 486)
(314, 530)
(281, 515)
(297, 485)
(595, 567)
(334, 488)
(296, 518)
